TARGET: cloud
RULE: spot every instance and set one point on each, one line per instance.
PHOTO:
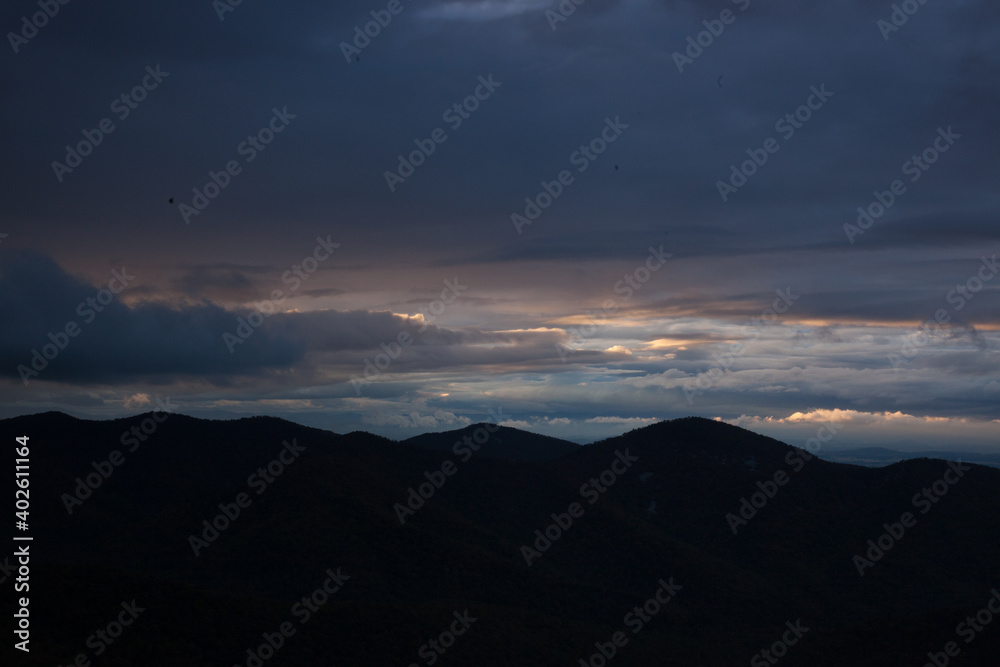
(482, 10)
(624, 422)
(414, 419)
(115, 341)
(848, 416)
(852, 428)
(118, 343)
(136, 401)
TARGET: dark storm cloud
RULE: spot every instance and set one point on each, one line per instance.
(116, 343)
(611, 59)
(113, 341)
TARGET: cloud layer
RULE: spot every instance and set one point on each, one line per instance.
(560, 321)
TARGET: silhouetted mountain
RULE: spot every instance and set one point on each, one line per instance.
(880, 456)
(653, 505)
(496, 442)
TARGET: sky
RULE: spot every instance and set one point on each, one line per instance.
(404, 216)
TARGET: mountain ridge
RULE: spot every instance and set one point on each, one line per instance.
(653, 505)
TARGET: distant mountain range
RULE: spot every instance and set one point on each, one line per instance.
(879, 456)
(692, 542)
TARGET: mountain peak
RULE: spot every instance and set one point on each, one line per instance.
(501, 442)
